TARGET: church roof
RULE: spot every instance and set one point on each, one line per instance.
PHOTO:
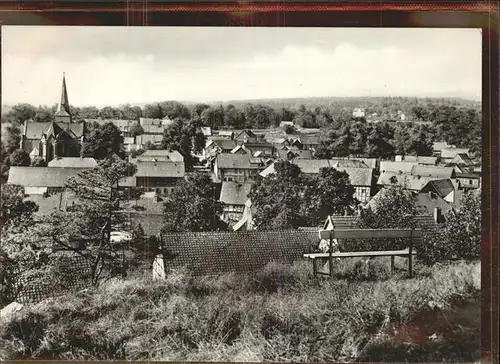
(34, 130)
(63, 106)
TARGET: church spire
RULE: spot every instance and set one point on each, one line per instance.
(63, 113)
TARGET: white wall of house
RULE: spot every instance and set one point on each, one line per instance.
(35, 190)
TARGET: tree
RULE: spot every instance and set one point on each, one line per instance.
(13, 138)
(89, 112)
(38, 162)
(461, 236)
(185, 137)
(19, 158)
(289, 129)
(331, 193)
(194, 206)
(378, 141)
(84, 228)
(20, 113)
(15, 212)
(131, 112)
(213, 117)
(96, 213)
(109, 112)
(44, 115)
(174, 109)
(278, 198)
(136, 129)
(153, 111)
(102, 141)
(393, 208)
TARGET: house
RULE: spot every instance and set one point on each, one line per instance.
(225, 134)
(245, 136)
(234, 196)
(213, 253)
(73, 162)
(432, 161)
(59, 138)
(216, 146)
(264, 147)
(462, 159)
(123, 124)
(142, 140)
(358, 113)
(309, 141)
(468, 180)
(42, 180)
(206, 130)
(360, 176)
(436, 172)
(129, 144)
(158, 176)
(149, 121)
(238, 167)
(286, 123)
(167, 155)
(427, 203)
(246, 220)
(153, 129)
(448, 154)
(240, 149)
(396, 167)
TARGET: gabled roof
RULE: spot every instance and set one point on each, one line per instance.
(438, 146)
(225, 144)
(208, 253)
(35, 130)
(361, 177)
(159, 169)
(420, 159)
(206, 130)
(424, 222)
(442, 187)
(172, 155)
(228, 133)
(239, 161)
(234, 193)
(434, 171)
(349, 163)
(309, 139)
(153, 129)
(462, 159)
(74, 162)
(144, 138)
(239, 149)
(245, 133)
(386, 178)
(42, 176)
(452, 152)
(389, 166)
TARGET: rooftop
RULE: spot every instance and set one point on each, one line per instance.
(73, 162)
(234, 193)
(42, 176)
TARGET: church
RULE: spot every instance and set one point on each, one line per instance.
(59, 138)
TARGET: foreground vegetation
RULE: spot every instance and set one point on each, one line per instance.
(279, 314)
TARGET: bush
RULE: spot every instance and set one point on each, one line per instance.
(461, 236)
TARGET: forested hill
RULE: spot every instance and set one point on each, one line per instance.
(370, 104)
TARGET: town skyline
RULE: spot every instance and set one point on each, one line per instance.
(256, 63)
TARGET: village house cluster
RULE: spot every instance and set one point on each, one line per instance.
(235, 160)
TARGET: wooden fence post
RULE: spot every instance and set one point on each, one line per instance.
(392, 264)
(330, 258)
(410, 254)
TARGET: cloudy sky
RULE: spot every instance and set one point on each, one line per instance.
(116, 65)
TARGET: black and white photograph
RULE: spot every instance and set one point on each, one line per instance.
(241, 194)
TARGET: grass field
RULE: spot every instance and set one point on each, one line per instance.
(279, 314)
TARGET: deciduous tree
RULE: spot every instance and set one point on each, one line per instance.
(194, 206)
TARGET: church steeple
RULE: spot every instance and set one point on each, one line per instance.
(63, 112)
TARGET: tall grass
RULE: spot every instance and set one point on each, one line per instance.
(279, 314)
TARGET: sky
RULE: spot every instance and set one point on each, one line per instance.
(117, 65)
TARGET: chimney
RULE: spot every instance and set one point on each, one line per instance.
(437, 215)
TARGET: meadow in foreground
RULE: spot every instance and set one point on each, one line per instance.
(282, 313)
